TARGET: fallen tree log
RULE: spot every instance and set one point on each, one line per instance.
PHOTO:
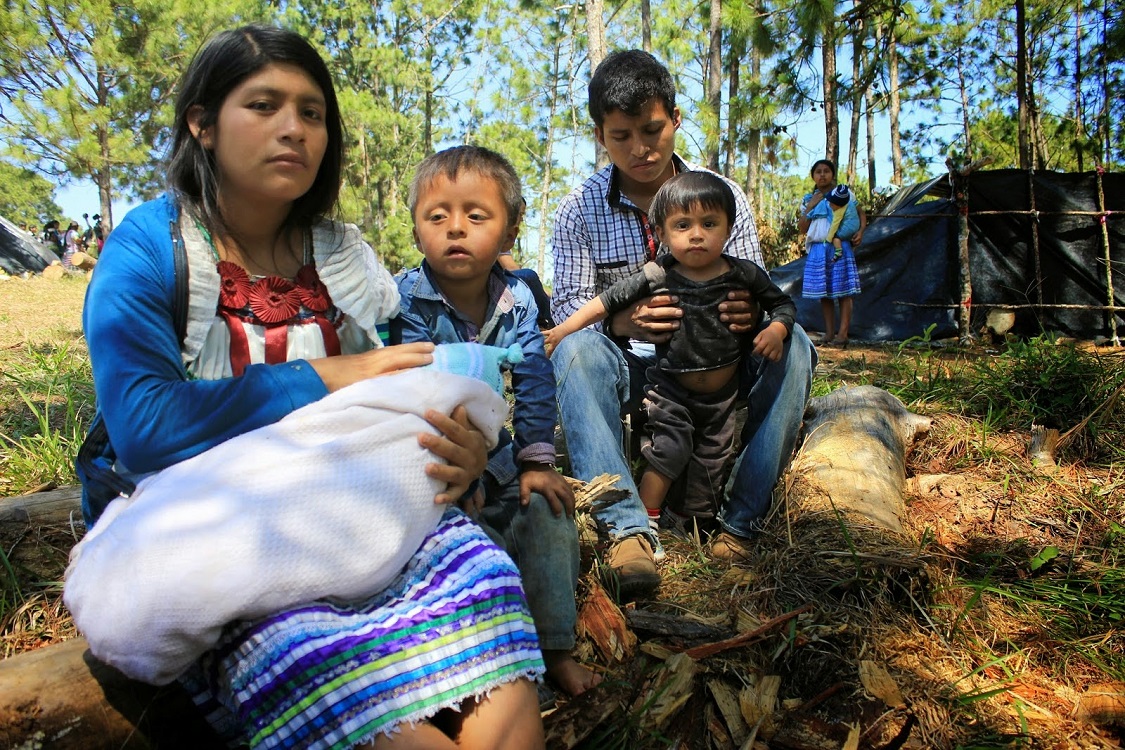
(60, 698)
(61, 505)
(852, 464)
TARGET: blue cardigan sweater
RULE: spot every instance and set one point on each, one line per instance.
(155, 413)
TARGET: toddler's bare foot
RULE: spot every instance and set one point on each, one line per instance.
(568, 674)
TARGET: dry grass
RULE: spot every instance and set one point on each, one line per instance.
(37, 312)
(986, 651)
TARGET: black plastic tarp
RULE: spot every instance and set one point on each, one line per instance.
(910, 272)
(20, 252)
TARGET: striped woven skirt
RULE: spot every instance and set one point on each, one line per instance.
(828, 277)
(453, 625)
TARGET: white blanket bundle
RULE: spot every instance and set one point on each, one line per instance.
(331, 501)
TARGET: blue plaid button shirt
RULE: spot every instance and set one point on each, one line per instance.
(601, 237)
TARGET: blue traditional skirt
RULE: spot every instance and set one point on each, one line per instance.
(453, 625)
(829, 277)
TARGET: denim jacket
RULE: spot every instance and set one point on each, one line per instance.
(511, 319)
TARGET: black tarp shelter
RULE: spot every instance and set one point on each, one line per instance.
(1048, 245)
(20, 252)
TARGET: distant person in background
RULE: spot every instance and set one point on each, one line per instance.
(70, 245)
(51, 236)
(99, 233)
(827, 277)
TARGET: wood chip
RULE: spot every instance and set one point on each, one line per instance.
(729, 707)
(880, 684)
(602, 622)
(666, 692)
(1102, 704)
(758, 703)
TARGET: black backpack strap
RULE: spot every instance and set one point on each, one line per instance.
(180, 267)
(94, 463)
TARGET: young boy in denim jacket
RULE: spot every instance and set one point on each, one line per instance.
(466, 205)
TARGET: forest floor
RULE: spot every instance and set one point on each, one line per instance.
(995, 621)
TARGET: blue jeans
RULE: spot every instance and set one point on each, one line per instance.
(594, 382)
(776, 395)
(545, 549)
(597, 382)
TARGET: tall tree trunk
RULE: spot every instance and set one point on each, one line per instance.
(595, 36)
(831, 111)
(548, 157)
(734, 110)
(103, 175)
(869, 113)
(895, 106)
(1104, 119)
(1041, 157)
(857, 104)
(754, 137)
(1079, 134)
(715, 84)
(365, 180)
(104, 179)
(646, 25)
(963, 86)
(1025, 153)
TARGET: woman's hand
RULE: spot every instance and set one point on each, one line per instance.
(857, 238)
(338, 372)
(462, 445)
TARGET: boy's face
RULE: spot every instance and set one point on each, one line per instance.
(461, 226)
(641, 146)
(696, 236)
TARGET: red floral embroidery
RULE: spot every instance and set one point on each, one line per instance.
(234, 286)
(274, 300)
(312, 291)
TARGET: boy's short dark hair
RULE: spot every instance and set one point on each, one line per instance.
(625, 80)
(689, 189)
(460, 159)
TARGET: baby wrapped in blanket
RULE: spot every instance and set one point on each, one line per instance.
(331, 501)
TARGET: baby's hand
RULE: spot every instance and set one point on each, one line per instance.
(770, 343)
(543, 479)
(551, 339)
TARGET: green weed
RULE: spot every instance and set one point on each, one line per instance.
(46, 419)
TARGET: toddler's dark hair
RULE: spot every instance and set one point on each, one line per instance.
(460, 159)
(689, 189)
(625, 80)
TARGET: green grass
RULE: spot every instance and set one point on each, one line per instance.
(47, 406)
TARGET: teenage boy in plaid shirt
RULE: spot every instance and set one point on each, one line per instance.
(602, 234)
